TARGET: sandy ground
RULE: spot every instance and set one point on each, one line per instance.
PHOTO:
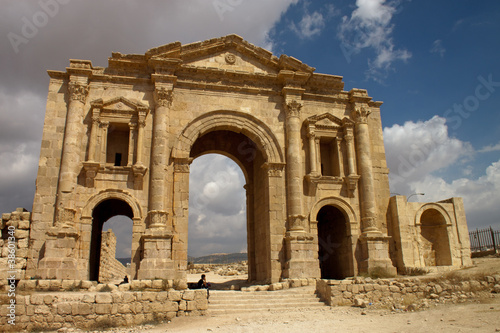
(480, 315)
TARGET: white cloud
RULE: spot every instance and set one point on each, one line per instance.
(217, 206)
(481, 199)
(418, 151)
(310, 25)
(370, 27)
(437, 47)
(490, 148)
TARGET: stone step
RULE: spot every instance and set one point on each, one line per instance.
(225, 302)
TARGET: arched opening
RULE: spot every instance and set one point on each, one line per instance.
(217, 207)
(435, 242)
(103, 212)
(334, 249)
(248, 204)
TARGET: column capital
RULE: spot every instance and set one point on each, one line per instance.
(163, 97)
(360, 114)
(78, 91)
(293, 108)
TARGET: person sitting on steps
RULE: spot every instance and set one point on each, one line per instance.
(203, 284)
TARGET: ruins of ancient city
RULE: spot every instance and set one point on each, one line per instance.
(119, 140)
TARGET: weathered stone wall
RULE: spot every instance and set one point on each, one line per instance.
(359, 291)
(99, 310)
(14, 244)
(110, 268)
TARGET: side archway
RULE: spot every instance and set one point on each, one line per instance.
(111, 194)
(332, 219)
(434, 239)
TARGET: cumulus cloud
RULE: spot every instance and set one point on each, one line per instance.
(217, 206)
(481, 201)
(370, 27)
(417, 152)
(417, 149)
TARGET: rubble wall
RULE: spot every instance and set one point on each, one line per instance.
(14, 244)
(402, 291)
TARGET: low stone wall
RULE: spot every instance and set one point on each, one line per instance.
(97, 310)
(403, 291)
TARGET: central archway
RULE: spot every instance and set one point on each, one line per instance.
(252, 145)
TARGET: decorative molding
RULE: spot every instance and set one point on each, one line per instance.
(139, 171)
(181, 165)
(157, 219)
(163, 97)
(78, 91)
(230, 58)
(91, 169)
(66, 217)
(351, 183)
(274, 169)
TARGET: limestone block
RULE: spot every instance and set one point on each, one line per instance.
(103, 298)
(188, 295)
(102, 309)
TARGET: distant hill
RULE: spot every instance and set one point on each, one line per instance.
(216, 258)
(219, 258)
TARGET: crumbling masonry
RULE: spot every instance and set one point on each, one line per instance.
(119, 141)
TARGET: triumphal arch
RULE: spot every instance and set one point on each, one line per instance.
(119, 141)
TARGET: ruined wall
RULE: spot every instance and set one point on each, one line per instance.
(14, 244)
(110, 269)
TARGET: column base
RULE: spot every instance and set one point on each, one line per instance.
(302, 254)
(375, 249)
(157, 260)
(59, 261)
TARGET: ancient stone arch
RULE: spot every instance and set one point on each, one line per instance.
(132, 129)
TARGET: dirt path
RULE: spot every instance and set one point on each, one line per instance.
(466, 317)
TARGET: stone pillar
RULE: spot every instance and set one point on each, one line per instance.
(340, 159)
(131, 143)
(293, 166)
(301, 248)
(313, 165)
(159, 157)
(363, 150)
(60, 260)
(104, 140)
(374, 244)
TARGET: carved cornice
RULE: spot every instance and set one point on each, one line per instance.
(163, 97)
(293, 108)
(78, 91)
(181, 165)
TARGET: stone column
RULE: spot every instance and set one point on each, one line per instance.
(293, 166)
(374, 245)
(363, 150)
(159, 158)
(104, 140)
(131, 143)
(312, 152)
(340, 159)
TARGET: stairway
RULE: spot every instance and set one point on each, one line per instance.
(225, 301)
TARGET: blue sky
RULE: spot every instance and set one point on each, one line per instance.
(434, 64)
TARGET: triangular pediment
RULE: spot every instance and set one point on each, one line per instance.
(325, 120)
(230, 53)
(121, 104)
